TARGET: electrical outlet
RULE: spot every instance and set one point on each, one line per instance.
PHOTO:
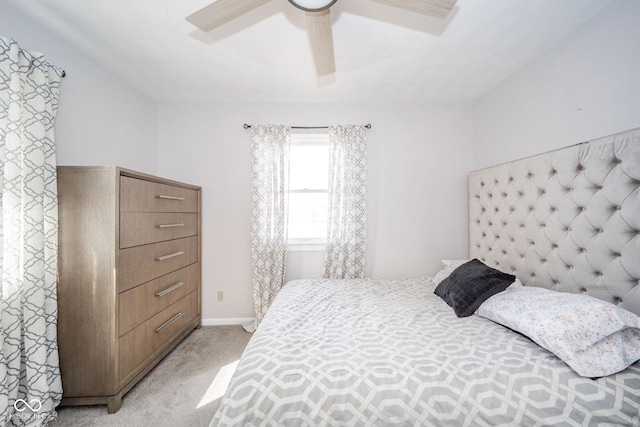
(220, 295)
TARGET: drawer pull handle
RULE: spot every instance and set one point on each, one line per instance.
(169, 289)
(162, 196)
(164, 257)
(170, 225)
(168, 322)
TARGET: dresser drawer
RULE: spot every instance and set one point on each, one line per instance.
(140, 228)
(140, 264)
(143, 302)
(141, 343)
(138, 195)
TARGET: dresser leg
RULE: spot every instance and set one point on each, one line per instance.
(114, 404)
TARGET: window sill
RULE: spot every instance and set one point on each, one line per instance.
(306, 247)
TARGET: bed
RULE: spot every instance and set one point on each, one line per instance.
(377, 352)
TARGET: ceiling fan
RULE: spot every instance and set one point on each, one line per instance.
(318, 20)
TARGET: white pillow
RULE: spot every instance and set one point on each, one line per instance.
(593, 337)
(449, 266)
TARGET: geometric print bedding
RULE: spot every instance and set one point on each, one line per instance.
(377, 352)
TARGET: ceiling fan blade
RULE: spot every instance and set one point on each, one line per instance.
(436, 8)
(321, 38)
(221, 12)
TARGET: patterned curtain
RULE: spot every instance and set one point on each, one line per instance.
(270, 184)
(30, 386)
(346, 251)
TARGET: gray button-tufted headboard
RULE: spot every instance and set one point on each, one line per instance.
(568, 220)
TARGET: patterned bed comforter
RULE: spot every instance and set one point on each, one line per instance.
(377, 352)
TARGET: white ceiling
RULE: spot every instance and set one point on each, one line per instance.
(383, 54)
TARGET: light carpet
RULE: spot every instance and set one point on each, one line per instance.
(184, 389)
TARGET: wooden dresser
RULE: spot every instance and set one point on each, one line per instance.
(129, 277)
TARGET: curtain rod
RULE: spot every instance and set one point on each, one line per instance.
(60, 71)
(247, 126)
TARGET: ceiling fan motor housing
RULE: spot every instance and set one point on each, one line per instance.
(312, 5)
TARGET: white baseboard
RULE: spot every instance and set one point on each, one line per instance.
(228, 321)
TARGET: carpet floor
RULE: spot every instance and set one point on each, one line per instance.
(184, 389)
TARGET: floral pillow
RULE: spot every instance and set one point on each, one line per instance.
(593, 337)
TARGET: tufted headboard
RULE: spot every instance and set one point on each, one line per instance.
(568, 220)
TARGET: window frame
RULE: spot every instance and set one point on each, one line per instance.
(308, 137)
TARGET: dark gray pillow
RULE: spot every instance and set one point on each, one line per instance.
(470, 285)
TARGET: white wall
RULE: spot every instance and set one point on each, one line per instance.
(101, 120)
(419, 155)
(586, 87)
(418, 158)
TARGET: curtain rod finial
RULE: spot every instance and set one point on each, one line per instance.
(246, 126)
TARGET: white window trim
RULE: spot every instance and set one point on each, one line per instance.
(308, 244)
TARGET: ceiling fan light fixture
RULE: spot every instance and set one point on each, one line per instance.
(312, 5)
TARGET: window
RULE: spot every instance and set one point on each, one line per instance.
(308, 189)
